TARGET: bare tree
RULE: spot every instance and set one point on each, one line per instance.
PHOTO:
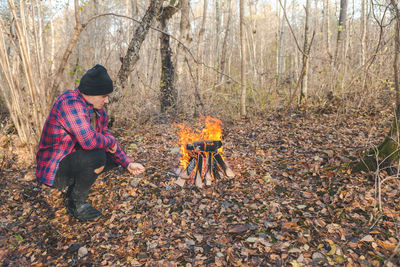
(222, 63)
(326, 11)
(52, 38)
(24, 70)
(95, 37)
(363, 31)
(396, 13)
(200, 39)
(185, 40)
(304, 81)
(168, 92)
(252, 44)
(341, 30)
(280, 61)
(243, 112)
(217, 31)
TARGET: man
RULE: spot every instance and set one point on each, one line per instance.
(76, 146)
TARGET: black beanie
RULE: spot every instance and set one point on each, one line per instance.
(96, 82)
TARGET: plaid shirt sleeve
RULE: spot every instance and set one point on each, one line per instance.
(75, 119)
(119, 156)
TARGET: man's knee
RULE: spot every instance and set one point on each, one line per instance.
(99, 170)
(95, 158)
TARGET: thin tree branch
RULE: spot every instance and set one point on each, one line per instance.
(291, 29)
(303, 70)
(197, 94)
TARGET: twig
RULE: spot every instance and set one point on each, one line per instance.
(161, 170)
(376, 221)
(291, 30)
(391, 256)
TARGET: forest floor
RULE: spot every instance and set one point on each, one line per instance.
(292, 202)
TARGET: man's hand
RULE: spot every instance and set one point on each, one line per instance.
(113, 149)
(135, 168)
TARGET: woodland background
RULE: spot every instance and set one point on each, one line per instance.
(302, 88)
(190, 60)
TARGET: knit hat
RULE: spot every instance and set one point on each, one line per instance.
(96, 82)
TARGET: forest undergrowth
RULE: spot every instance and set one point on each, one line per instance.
(293, 201)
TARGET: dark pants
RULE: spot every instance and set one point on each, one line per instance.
(77, 172)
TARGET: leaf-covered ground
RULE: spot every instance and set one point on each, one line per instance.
(292, 202)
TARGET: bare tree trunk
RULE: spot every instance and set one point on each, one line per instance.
(327, 28)
(135, 9)
(167, 89)
(152, 60)
(304, 81)
(252, 44)
(281, 49)
(132, 54)
(27, 65)
(185, 39)
(225, 42)
(340, 42)
(128, 12)
(242, 62)
(278, 31)
(22, 65)
(217, 32)
(363, 32)
(396, 56)
(52, 39)
(95, 37)
(200, 39)
(363, 43)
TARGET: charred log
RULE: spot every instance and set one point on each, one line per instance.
(204, 146)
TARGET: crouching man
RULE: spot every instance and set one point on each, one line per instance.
(76, 146)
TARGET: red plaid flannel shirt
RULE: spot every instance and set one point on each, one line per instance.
(69, 125)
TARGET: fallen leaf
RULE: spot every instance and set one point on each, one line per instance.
(238, 229)
(367, 238)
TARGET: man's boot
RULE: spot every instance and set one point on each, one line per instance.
(82, 210)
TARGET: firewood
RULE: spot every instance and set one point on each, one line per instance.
(205, 163)
(220, 162)
(208, 178)
(190, 167)
(229, 173)
(199, 183)
(200, 165)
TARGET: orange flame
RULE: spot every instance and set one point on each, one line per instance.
(211, 132)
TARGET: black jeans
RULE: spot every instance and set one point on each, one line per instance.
(77, 172)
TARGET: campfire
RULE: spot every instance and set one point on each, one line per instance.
(201, 153)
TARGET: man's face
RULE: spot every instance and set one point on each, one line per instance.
(97, 101)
